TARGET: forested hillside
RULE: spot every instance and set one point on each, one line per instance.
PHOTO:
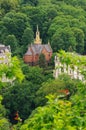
(62, 22)
(34, 99)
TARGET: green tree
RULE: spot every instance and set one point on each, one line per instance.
(63, 39)
(19, 94)
(43, 2)
(27, 38)
(3, 32)
(79, 35)
(37, 16)
(57, 114)
(33, 74)
(52, 86)
(42, 61)
(31, 2)
(63, 27)
(4, 123)
(12, 41)
(52, 60)
(16, 23)
(8, 5)
(23, 93)
(75, 3)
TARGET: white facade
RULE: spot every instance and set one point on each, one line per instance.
(5, 58)
(5, 54)
(63, 68)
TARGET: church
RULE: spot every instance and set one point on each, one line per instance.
(31, 57)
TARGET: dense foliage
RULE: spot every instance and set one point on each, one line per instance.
(61, 22)
(23, 93)
(58, 114)
(66, 103)
(12, 73)
(4, 123)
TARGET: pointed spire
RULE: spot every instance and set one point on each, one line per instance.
(49, 45)
(37, 28)
(48, 42)
(37, 39)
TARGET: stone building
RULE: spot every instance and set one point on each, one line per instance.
(34, 50)
(5, 54)
(5, 59)
(60, 68)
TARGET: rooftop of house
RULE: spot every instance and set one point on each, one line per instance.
(4, 48)
(37, 49)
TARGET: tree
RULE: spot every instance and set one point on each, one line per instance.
(33, 74)
(79, 35)
(57, 114)
(31, 2)
(8, 5)
(11, 71)
(43, 2)
(52, 86)
(42, 61)
(16, 23)
(20, 93)
(63, 39)
(4, 123)
(3, 32)
(37, 16)
(62, 30)
(12, 41)
(23, 93)
(75, 3)
(27, 38)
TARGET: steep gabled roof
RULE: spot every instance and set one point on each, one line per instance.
(28, 52)
(4, 48)
(48, 47)
(37, 48)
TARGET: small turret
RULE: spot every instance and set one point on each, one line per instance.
(37, 39)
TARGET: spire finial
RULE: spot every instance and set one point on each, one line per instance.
(37, 28)
(37, 39)
(48, 42)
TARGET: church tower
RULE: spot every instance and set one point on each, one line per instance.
(37, 39)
